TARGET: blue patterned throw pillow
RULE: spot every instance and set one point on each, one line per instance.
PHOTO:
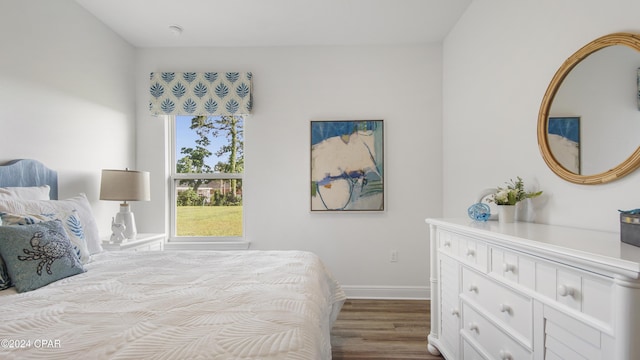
(70, 220)
(38, 254)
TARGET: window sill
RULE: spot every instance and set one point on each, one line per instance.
(207, 245)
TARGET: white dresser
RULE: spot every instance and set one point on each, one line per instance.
(532, 291)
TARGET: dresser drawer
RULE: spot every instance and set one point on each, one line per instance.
(449, 277)
(450, 303)
(447, 244)
(467, 250)
(496, 343)
(513, 266)
(579, 290)
(507, 307)
(450, 330)
(568, 338)
(469, 352)
(473, 253)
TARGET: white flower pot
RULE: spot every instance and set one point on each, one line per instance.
(506, 213)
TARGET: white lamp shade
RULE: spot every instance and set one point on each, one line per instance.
(125, 185)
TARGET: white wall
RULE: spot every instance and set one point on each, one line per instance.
(399, 84)
(498, 62)
(67, 95)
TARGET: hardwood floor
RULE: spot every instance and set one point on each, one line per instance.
(382, 329)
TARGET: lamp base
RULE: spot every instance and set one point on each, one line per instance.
(125, 216)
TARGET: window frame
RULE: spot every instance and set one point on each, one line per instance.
(224, 242)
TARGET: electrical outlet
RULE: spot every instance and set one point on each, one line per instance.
(393, 257)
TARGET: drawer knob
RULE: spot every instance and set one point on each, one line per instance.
(505, 308)
(455, 312)
(470, 252)
(505, 355)
(564, 290)
(473, 327)
(508, 267)
(473, 288)
(447, 243)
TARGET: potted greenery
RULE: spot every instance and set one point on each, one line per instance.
(507, 197)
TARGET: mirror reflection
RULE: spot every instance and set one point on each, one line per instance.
(594, 120)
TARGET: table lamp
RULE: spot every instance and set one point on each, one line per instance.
(125, 185)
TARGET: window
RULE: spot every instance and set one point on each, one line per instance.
(207, 170)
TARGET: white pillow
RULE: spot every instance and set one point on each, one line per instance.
(25, 193)
(70, 221)
(78, 203)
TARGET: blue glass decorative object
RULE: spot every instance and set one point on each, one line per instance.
(479, 212)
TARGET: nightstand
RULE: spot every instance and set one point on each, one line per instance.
(142, 242)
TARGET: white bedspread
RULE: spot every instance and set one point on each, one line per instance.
(178, 305)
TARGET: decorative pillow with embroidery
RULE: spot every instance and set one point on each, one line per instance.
(38, 254)
(70, 220)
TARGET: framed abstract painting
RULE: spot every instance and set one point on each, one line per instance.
(563, 134)
(347, 165)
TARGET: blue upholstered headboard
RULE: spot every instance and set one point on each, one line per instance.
(26, 172)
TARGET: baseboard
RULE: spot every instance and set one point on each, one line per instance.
(387, 292)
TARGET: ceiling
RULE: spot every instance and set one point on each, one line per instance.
(145, 23)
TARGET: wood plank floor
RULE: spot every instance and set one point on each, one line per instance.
(382, 329)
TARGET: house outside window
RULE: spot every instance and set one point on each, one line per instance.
(206, 176)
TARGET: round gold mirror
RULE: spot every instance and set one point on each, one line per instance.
(589, 119)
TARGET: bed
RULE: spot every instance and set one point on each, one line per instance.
(154, 305)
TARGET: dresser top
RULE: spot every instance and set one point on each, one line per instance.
(597, 250)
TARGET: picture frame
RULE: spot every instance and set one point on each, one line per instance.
(347, 165)
(563, 134)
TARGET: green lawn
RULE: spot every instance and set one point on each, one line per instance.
(209, 221)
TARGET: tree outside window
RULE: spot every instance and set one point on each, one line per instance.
(208, 176)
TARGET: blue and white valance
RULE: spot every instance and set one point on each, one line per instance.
(208, 93)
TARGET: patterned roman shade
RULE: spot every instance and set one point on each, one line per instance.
(208, 93)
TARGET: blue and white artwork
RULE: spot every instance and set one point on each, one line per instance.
(563, 134)
(347, 165)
